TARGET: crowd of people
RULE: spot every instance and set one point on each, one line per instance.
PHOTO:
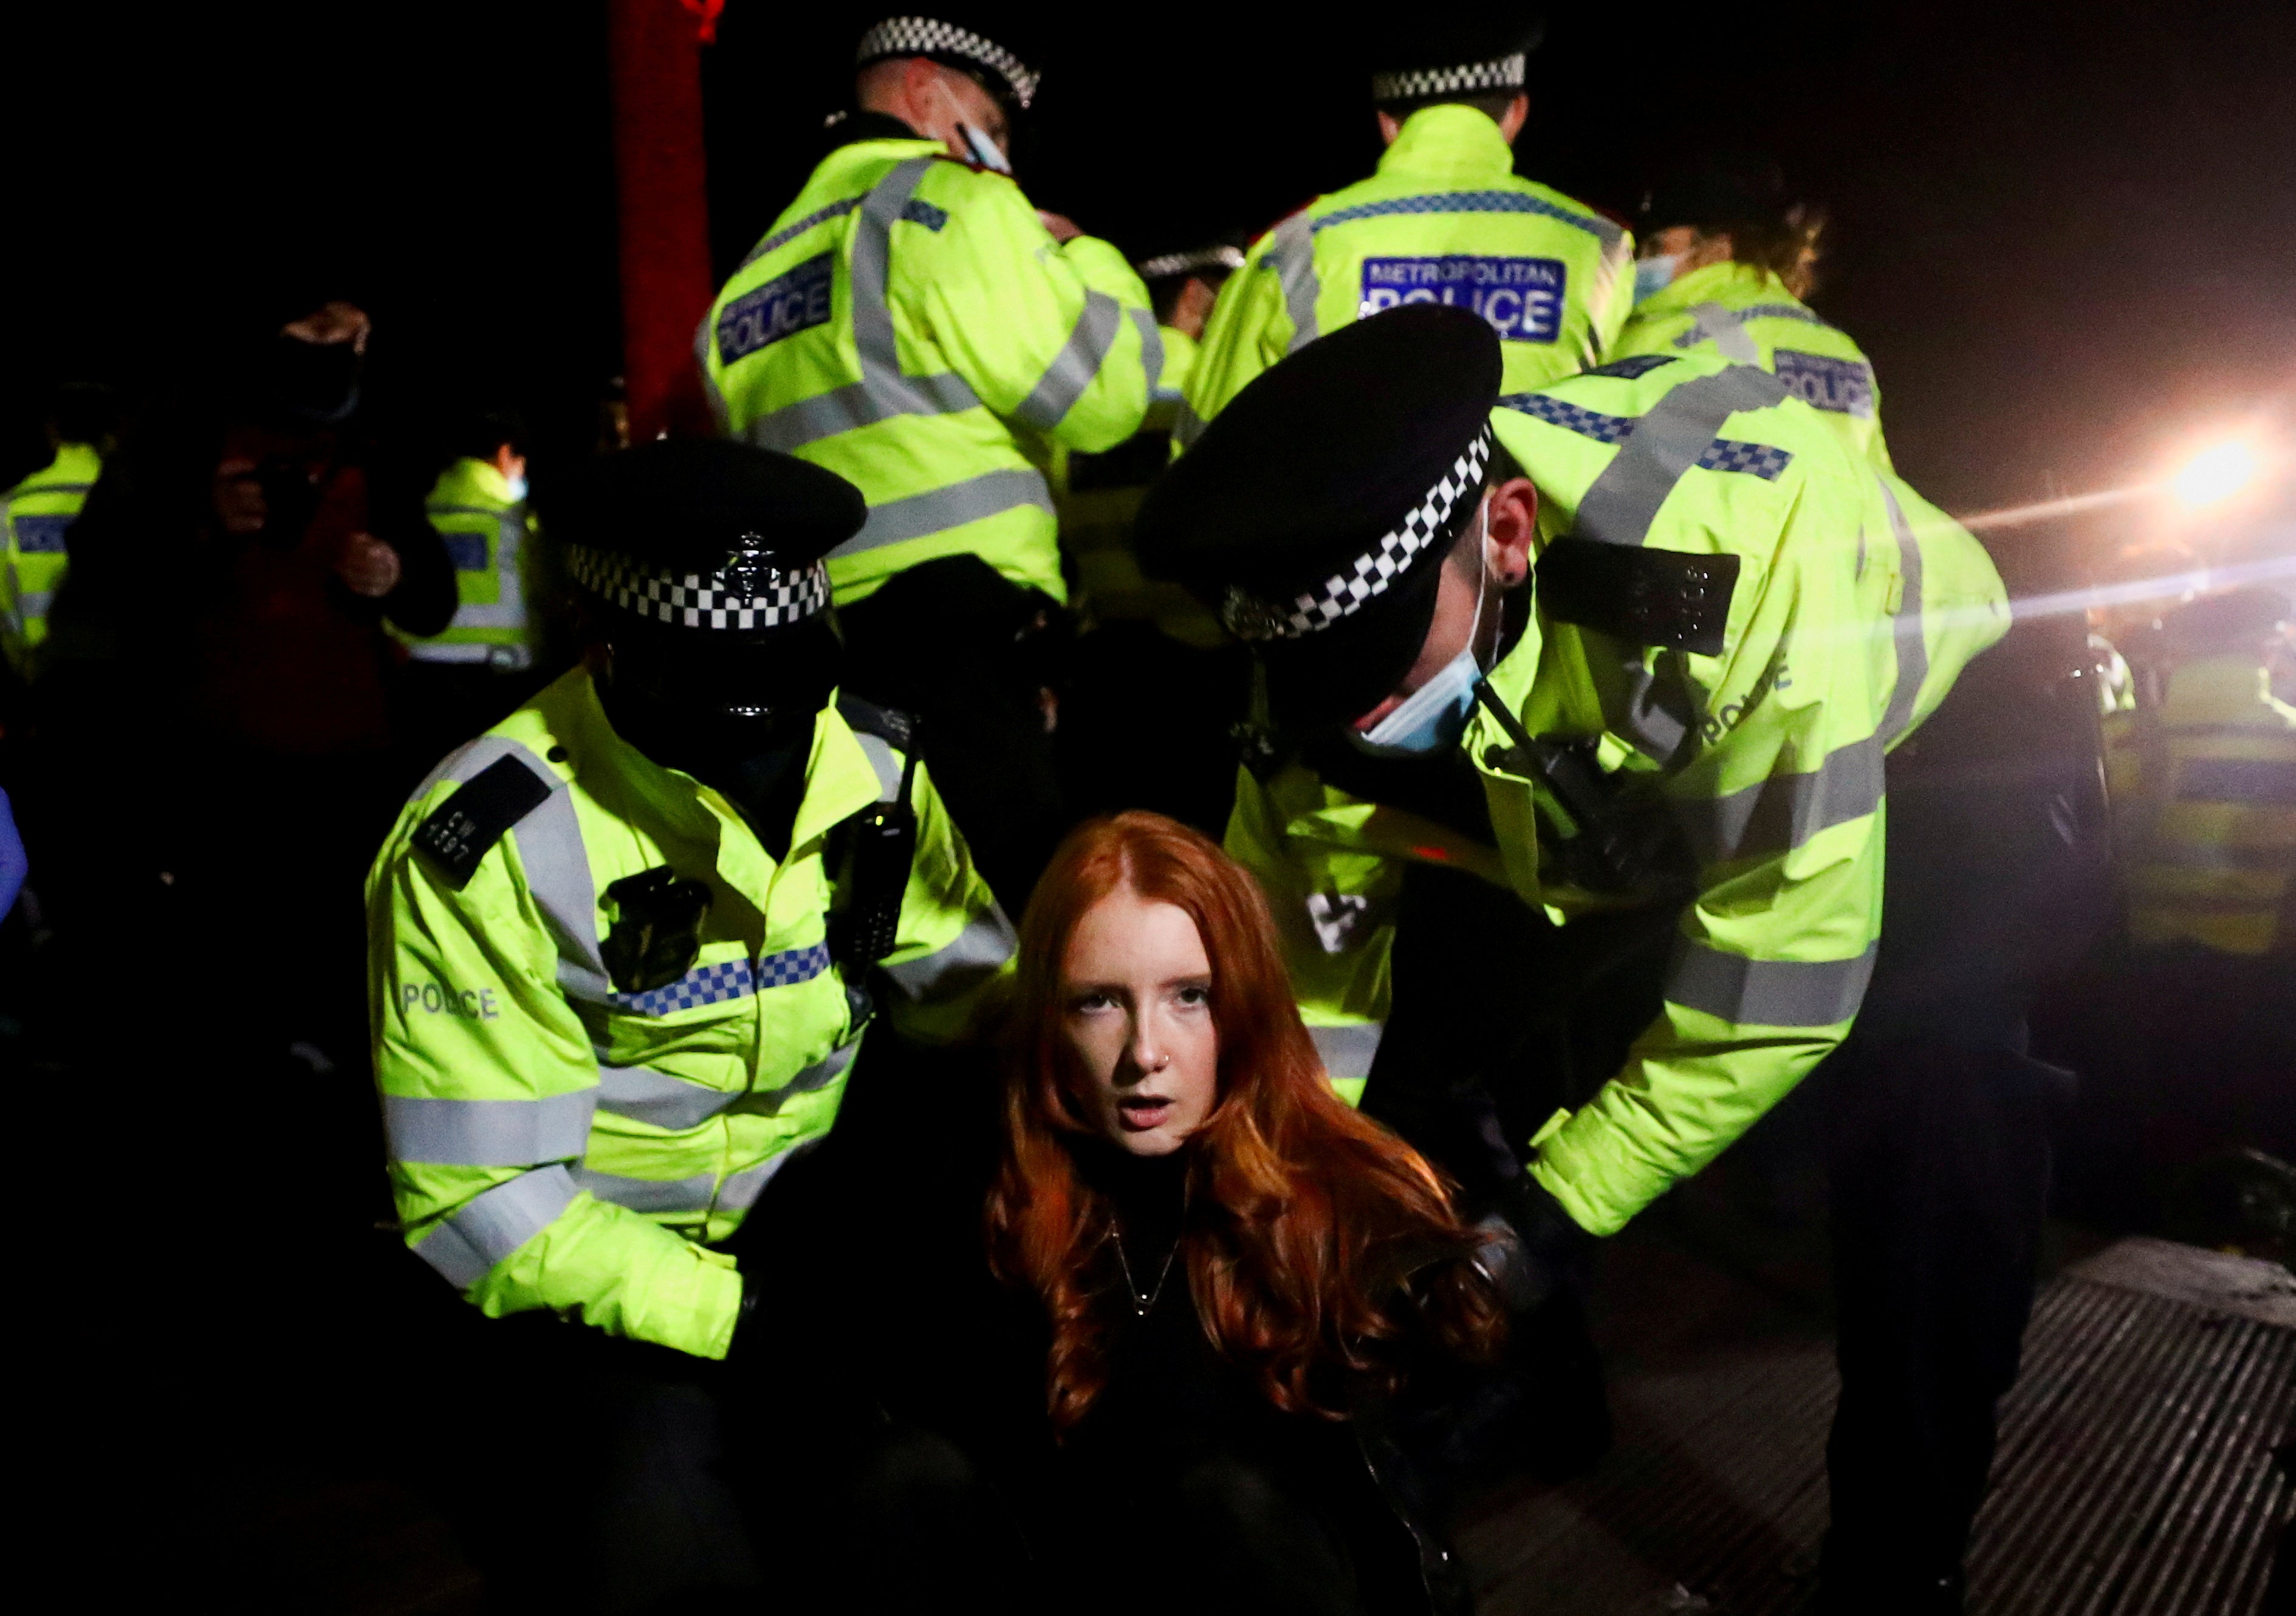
(1623, 742)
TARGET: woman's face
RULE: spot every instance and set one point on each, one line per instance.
(1135, 1006)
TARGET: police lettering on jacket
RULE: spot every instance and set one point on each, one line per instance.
(1521, 298)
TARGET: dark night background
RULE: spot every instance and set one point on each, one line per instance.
(2066, 234)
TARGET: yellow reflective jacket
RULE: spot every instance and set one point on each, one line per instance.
(1745, 314)
(1445, 219)
(904, 319)
(1855, 606)
(34, 517)
(490, 536)
(558, 1142)
(2204, 798)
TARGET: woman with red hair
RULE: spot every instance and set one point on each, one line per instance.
(1239, 1272)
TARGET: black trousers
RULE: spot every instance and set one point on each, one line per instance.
(1939, 1166)
(957, 646)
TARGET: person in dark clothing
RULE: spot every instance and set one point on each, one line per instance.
(1240, 1274)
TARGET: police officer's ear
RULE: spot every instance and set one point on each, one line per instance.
(1511, 531)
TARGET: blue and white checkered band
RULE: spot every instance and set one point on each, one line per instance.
(746, 592)
(1345, 592)
(1188, 263)
(1473, 78)
(929, 37)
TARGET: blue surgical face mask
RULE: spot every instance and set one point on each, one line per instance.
(517, 488)
(1434, 715)
(986, 152)
(1653, 275)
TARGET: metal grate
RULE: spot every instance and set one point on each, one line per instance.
(2134, 1475)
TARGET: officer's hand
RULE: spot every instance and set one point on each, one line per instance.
(1063, 227)
(368, 566)
(238, 498)
(1530, 1247)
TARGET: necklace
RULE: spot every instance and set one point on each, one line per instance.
(1142, 1301)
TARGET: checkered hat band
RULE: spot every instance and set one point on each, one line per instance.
(1346, 592)
(929, 37)
(1187, 263)
(1472, 79)
(701, 600)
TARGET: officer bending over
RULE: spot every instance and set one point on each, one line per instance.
(626, 948)
(1671, 745)
(912, 323)
(1728, 256)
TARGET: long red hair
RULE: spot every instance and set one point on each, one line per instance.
(1305, 1216)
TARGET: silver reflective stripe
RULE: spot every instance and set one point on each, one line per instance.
(1072, 369)
(36, 603)
(742, 1188)
(858, 404)
(488, 1133)
(1187, 426)
(558, 875)
(887, 766)
(979, 950)
(449, 650)
(937, 510)
(1781, 813)
(692, 1194)
(820, 1075)
(1652, 707)
(705, 335)
(1724, 329)
(1347, 1051)
(491, 1226)
(1294, 252)
(1906, 627)
(1768, 992)
(1663, 444)
(1151, 352)
(659, 1099)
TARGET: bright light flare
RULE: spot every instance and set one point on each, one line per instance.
(2215, 473)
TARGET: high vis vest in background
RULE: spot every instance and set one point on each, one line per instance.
(2204, 794)
(1098, 496)
(903, 320)
(1445, 220)
(490, 537)
(563, 1137)
(1854, 606)
(34, 517)
(1745, 314)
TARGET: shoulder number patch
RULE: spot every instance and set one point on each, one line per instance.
(1638, 596)
(1521, 298)
(456, 837)
(792, 302)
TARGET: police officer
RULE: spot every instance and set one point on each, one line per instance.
(625, 950)
(1672, 743)
(913, 323)
(1727, 255)
(1445, 219)
(36, 514)
(479, 666)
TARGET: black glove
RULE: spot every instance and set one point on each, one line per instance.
(1531, 1248)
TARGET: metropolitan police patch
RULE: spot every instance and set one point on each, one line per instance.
(791, 302)
(1521, 298)
(1841, 385)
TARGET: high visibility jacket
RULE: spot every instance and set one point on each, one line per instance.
(490, 537)
(2204, 797)
(1857, 605)
(1098, 496)
(1745, 314)
(904, 317)
(34, 516)
(557, 1141)
(1445, 219)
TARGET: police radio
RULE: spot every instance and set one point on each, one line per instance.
(881, 844)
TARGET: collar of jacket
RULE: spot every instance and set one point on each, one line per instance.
(1729, 283)
(471, 480)
(74, 463)
(1449, 142)
(840, 779)
(856, 127)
